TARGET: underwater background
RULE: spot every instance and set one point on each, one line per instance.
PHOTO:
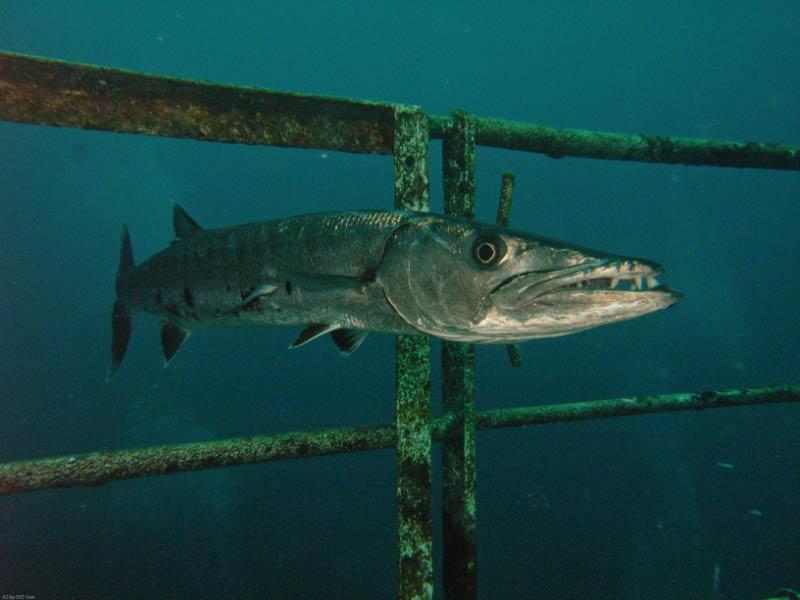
(637, 507)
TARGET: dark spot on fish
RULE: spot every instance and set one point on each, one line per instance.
(227, 287)
(159, 297)
(368, 276)
(288, 287)
(409, 161)
(187, 296)
(247, 292)
(172, 309)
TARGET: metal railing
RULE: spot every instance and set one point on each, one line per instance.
(48, 92)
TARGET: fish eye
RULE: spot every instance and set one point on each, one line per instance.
(488, 250)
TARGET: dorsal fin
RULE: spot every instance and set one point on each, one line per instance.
(184, 225)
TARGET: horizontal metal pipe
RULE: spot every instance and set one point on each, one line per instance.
(100, 467)
(560, 142)
(52, 92)
(97, 468)
(634, 405)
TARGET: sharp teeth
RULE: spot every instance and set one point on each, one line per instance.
(638, 282)
(614, 282)
(652, 282)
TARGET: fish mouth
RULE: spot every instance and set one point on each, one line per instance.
(626, 280)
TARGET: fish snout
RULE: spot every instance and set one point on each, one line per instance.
(623, 275)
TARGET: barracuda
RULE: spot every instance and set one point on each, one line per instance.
(346, 274)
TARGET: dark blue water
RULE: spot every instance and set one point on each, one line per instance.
(625, 509)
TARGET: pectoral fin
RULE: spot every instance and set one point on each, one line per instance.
(262, 290)
(172, 337)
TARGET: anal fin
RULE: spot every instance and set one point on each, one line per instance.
(172, 337)
(348, 340)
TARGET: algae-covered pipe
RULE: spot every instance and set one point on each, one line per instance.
(98, 468)
(459, 545)
(412, 383)
(503, 216)
(634, 405)
(101, 467)
(560, 142)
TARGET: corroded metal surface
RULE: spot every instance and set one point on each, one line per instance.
(560, 142)
(458, 389)
(50, 92)
(503, 216)
(412, 388)
(100, 467)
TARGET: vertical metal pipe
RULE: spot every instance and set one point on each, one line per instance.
(412, 382)
(506, 195)
(503, 215)
(458, 388)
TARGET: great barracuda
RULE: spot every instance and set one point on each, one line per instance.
(350, 273)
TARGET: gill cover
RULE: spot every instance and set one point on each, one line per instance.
(434, 273)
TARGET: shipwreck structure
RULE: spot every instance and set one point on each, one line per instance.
(49, 92)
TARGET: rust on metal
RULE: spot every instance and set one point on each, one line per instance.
(51, 92)
(458, 389)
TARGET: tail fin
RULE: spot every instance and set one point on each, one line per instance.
(120, 316)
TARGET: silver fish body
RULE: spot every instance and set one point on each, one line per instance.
(396, 272)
